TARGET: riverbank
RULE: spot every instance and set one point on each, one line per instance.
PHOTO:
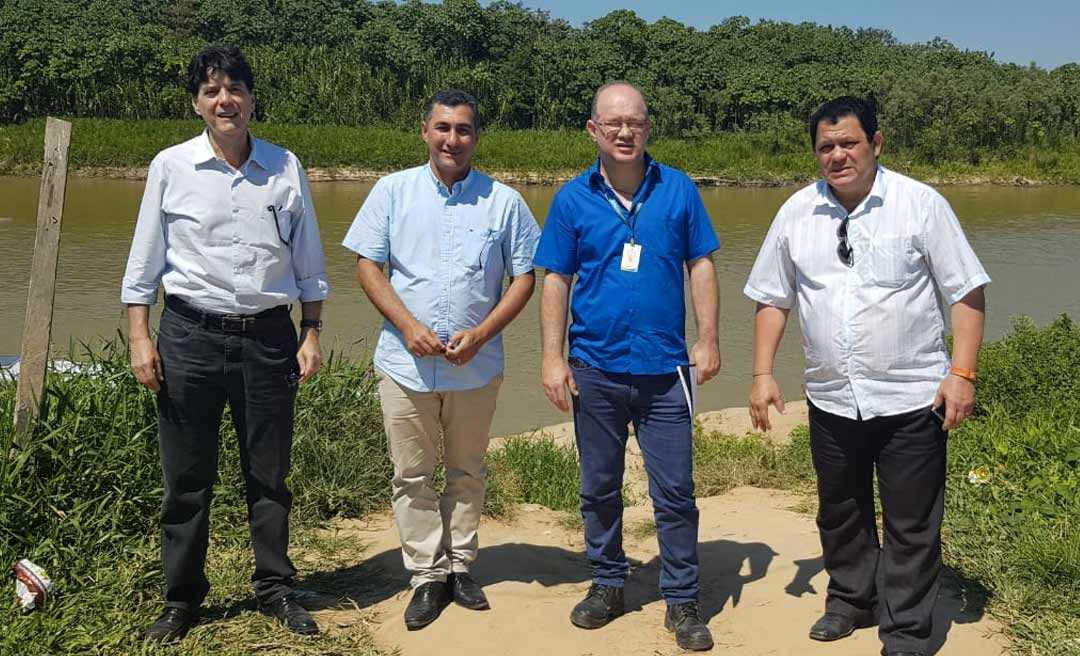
(81, 500)
(123, 149)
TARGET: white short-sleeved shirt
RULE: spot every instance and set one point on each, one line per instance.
(873, 333)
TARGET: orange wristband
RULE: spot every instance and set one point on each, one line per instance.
(966, 374)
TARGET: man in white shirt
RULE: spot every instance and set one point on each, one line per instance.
(871, 257)
(228, 228)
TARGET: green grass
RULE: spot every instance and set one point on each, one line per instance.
(82, 499)
(764, 157)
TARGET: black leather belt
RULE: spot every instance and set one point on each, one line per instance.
(226, 323)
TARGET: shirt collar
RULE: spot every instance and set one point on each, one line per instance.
(204, 151)
(596, 178)
(458, 187)
(877, 190)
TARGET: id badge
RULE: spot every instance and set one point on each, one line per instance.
(631, 257)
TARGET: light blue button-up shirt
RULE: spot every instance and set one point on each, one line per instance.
(206, 231)
(449, 251)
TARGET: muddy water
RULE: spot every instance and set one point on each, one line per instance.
(1029, 239)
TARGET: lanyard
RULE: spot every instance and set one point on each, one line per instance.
(627, 217)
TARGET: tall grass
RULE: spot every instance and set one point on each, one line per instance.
(776, 156)
(81, 498)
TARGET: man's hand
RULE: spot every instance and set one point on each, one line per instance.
(421, 340)
(463, 346)
(706, 355)
(309, 355)
(763, 393)
(557, 377)
(958, 395)
(145, 363)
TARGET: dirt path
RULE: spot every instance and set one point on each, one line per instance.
(762, 583)
(761, 586)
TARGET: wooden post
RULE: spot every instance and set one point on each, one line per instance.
(37, 324)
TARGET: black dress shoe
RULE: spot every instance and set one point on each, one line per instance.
(172, 625)
(602, 604)
(289, 612)
(468, 593)
(903, 653)
(833, 626)
(691, 632)
(428, 601)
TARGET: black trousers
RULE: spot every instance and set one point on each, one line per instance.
(900, 577)
(251, 365)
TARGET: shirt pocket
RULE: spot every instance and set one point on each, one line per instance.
(477, 247)
(281, 221)
(892, 261)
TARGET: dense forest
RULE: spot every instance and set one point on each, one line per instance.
(356, 62)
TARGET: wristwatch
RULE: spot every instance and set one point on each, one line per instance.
(312, 323)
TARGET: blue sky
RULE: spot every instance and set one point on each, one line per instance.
(1046, 32)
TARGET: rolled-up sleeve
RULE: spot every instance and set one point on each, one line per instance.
(146, 260)
(369, 234)
(524, 234)
(309, 264)
(953, 263)
(772, 279)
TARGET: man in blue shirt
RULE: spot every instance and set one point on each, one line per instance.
(450, 235)
(626, 227)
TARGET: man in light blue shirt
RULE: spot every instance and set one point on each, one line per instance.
(450, 235)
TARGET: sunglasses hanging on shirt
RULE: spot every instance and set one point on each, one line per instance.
(844, 250)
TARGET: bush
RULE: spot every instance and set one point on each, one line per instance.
(1032, 370)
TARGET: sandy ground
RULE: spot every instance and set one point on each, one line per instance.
(762, 584)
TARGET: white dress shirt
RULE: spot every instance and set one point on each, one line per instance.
(207, 233)
(874, 332)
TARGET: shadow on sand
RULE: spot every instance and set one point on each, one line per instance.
(960, 600)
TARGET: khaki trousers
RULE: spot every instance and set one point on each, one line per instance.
(438, 533)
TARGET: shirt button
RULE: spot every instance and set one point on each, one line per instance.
(236, 240)
(235, 210)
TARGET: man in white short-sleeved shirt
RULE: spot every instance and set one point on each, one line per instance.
(871, 258)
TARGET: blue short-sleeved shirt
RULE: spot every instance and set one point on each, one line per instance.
(449, 252)
(623, 321)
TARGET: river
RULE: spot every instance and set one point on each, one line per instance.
(1028, 239)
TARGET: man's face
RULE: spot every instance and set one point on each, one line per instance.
(451, 139)
(225, 104)
(620, 128)
(847, 157)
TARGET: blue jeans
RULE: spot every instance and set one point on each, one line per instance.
(663, 423)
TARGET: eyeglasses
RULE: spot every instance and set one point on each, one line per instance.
(612, 128)
(844, 250)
